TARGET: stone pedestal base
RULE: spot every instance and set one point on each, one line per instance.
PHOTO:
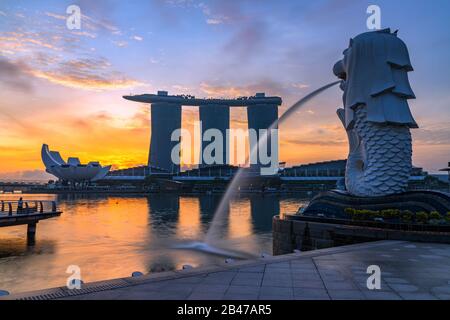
(331, 204)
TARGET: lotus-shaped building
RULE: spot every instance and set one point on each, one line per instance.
(72, 170)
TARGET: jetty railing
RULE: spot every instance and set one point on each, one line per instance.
(27, 212)
(17, 207)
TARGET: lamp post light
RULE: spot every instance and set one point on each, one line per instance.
(448, 172)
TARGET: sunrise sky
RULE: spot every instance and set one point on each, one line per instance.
(64, 87)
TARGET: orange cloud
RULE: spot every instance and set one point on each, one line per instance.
(97, 137)
(56, 16)
(22, 40)
(88, 74)
(268, 86)
(42, 52)
(93, 82)
(223, 91)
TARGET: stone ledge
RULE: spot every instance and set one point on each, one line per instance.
(106, 285)
(325, 234)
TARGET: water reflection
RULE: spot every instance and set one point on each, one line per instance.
(262, 210)
(163, 209)
(112, 236)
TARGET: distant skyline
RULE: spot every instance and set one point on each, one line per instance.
(64, 87)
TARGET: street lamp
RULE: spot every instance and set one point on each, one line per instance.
(448, 172)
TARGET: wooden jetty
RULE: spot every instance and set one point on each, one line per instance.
(29, 212)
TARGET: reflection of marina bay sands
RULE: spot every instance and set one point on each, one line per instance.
(262, 111)
(167, 209)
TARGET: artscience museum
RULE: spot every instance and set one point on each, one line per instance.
(72, 170)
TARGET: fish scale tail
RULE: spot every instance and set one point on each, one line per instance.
(387, 151)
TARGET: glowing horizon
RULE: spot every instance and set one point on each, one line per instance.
(64, 87)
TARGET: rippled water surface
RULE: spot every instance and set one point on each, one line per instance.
(111, 236)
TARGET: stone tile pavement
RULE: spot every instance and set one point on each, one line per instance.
(408, 271)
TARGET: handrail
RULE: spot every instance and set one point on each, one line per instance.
(25, 200)
(23, 207)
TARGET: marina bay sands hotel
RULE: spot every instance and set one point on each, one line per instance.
(165, 109)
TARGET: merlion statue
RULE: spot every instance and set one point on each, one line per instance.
(376, 114)
(377, 119)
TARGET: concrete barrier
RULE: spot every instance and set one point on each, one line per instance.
(304, 235)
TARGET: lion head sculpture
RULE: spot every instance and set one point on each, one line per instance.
(374, 71)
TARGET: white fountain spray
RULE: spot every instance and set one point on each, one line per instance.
(212, 236)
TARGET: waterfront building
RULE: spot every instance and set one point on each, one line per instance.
(71, 170)
(214, 114)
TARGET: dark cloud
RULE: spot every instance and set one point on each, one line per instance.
(84, 73)
(102, 8)
(324, 13)
(42, 53)
(29, 175)
(14, 76)
(304, 142)
(103, 11)
(269, 86)
(249, 40)
(169, 17)
(228, 12)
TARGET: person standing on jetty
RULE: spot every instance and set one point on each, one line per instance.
(20, 205)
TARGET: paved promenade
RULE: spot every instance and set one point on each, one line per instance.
(408, 271)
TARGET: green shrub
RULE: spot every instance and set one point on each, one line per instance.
(390, 213)
(396, 213)
(375, 214)
(349, 211)
(407, 216)
(386, 213)
(363, 214)
(358, 215)
(435, 215)
(352, 213)
(422, 216)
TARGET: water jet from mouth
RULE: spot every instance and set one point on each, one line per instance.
(211, 239)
